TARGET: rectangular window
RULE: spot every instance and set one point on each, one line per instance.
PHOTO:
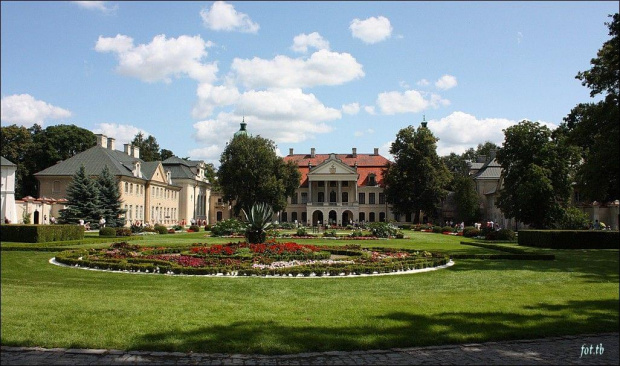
(381, 198)
(304, 197)
(56, 186)
(371, 198)
(321, 184)
(361, 198)
(294, 198)
(126, 187)
(345, 183)
(131, 188)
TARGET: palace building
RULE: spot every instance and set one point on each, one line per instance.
(338, 189)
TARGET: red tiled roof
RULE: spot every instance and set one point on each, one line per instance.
(366, 164)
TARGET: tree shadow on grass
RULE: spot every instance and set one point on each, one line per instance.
(591, 265)
(398, 329)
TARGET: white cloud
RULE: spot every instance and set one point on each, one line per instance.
(224, 17)
(211, 96)
(403, 84)
(423, 82)
(286, 105)
(24, 110)
(122, 134)
(210, 154)
(371, 30)
(322, 68)
(370, 109)
(303, 41)
(351, 108)
(459, 131)
(384, 151)
(282, 115)
(411, 101)
(370, 130)
(96, 5)
(446, 82)
(160, 59)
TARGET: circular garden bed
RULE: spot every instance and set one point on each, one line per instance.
(242, 259)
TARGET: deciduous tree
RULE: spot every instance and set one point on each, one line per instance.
(251, 172)
(595, 127)
(418, 178)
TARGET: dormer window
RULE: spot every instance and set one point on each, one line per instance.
(136, 169)
(371, 179)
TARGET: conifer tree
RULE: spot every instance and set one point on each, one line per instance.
(110, 199)
(83, 200)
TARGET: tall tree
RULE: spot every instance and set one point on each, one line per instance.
(251, 172)
(595, 127)
(82, 200)
(466, 199)
(418, 177)
(149, 148)
(536, 174)
(110, 199)
(60, 142)
(16, 144)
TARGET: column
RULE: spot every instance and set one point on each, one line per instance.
(310, 191)
(326, 197)
(339, 196)
(356, 195)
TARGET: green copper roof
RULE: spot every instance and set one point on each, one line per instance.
(242, 130)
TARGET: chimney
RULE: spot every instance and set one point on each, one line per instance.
(376, 151)
(312, 154)
(482, 159)
(111, 144)
(354, 152)
(128, 149)
(290, 151)
(136, 152)
(492, 154)
(102, 140)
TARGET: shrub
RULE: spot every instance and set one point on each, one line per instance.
(470, 232)
(382, 229)
(570, 239)
(207, 227)
(301, 232)
(136, 228)
(400, 235)
(148, 229)
(573, 219)
(41, 233)
(258, 221)
(161, 229)
(329, 233)
(123, 231)
(447, 229)
(194, 228)
(356, 233)
(171, 231)
(502, 234)
(228, 227)
(107, 231)
(405, 227)
(177, 227)
(437, 229)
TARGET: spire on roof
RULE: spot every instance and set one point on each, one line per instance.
(424, 123)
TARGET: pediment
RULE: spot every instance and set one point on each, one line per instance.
(332, 166)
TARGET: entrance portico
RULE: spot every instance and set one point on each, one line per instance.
(332, 192)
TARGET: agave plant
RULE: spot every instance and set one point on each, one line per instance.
(258, 220)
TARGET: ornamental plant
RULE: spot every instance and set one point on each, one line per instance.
(258, 221)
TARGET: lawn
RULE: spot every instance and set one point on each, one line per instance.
(472, 301)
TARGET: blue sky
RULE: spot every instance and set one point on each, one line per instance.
(329, 75)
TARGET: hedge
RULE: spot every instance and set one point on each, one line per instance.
(569, 239)
(40, 233)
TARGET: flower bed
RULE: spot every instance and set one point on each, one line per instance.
(243, 259)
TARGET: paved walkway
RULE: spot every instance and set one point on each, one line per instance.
(557, 350)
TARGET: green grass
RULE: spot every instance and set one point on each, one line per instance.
(472, 301)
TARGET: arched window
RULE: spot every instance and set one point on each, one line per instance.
(284, 216)
(362, 217)
(371, 217)
(382, 216)
(219, 216)
(294, 216)
(321, 197)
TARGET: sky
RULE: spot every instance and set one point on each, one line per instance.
(324, 75)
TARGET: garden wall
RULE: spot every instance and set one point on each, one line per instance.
(570, 239)
(40, 233)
